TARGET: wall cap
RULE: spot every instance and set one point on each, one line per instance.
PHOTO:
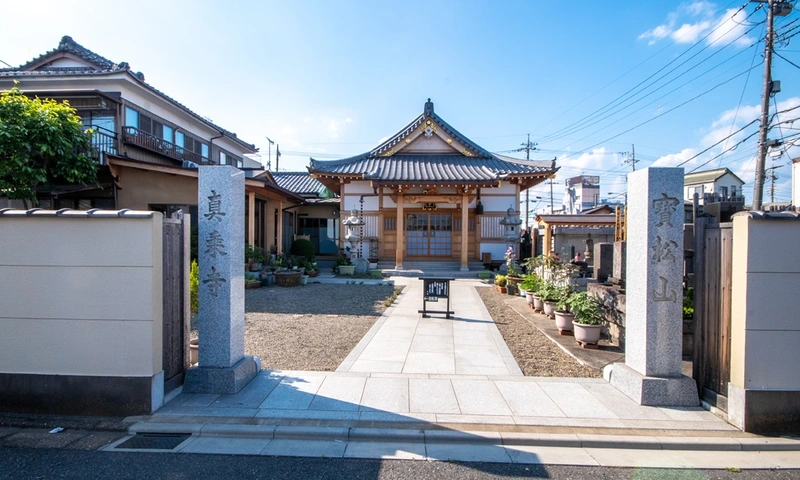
(69, 213)
(785, 215)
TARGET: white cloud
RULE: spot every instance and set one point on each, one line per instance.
(673, 159)
(697, 20)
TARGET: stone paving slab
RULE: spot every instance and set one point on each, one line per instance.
(401, 341)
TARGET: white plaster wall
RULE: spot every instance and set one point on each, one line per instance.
(370, 203)
(357, 187)
(81, 296)
(765, 328)
(497, 249)
(796, 184)
(498, 204)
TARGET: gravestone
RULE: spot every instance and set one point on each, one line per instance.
(222, 365)
(603, 261)
(362, 266)
(651, 374)
(619, 260)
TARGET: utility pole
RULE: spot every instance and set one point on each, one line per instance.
(527, 146)
(769, 90)
(772, 177)
(277, 156)
(269, 153)
(632, 159)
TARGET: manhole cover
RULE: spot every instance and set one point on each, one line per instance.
(154, 441)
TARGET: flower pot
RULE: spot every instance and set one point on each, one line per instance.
(287, 278)
(349, 270)
(303, 279)
(587, 334)
(549, 308)
(313, 273)
(254, 267)
(530, 298)
(501, 289)
(564, 322)
(250, 286)
(538, 304)
(511, 289)
(514, 280)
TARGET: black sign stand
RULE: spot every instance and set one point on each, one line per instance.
(432, 290)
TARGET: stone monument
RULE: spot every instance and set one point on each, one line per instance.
(651, 374)
(222, 366)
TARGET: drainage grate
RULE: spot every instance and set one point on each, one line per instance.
(154, 441)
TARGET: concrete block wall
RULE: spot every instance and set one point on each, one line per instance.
(764, 389)
(81, 296)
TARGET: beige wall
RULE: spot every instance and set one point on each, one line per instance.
(140, 188)
(765, 327)
(81, 295)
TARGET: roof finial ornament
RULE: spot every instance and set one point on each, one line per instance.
(429, 107)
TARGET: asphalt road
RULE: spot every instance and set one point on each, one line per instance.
(45, 463)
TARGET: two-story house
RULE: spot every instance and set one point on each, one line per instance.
(719, 192)
(148, 144)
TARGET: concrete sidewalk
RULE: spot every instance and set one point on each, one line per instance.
(401, 341)
(450, 390)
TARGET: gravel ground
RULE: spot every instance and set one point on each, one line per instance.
(309, 328)
(536, 355)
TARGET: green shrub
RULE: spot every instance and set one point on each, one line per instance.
(500, 280)
(587, 309)
(303, 248)
(194, 282)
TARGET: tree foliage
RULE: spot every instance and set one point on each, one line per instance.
(42, 143)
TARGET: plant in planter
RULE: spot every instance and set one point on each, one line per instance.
(588, 318)
(311, 269)
(564, 315)
(501, 282)
(512, 273)
(255, 256)
(344, 266)
(251, 282)
(530, 284)
(549, 293)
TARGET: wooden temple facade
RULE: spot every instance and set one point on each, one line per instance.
(428, 193)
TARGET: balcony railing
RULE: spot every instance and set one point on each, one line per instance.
(103, 141)
(134, 136)
(718, 197)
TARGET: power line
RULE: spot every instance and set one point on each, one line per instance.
(633, 90)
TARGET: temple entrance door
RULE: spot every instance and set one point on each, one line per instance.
(429, 234)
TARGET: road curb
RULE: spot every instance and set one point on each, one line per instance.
(399, 435)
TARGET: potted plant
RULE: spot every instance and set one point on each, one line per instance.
(588, 318)
(512, 269)
(501, 282)
(311, 269)
(251, 282)
(564, 315)
(549, 294)
(530, 284)
(303, 279)
(344, 266)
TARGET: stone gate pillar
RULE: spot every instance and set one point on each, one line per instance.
(222, 366)
(651, 374)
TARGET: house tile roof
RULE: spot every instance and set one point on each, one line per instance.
(299, 182)
(707, 176)
(477, 165)
(100, 66)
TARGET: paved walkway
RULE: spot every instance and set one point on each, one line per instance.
(450, 390)
(401, 341)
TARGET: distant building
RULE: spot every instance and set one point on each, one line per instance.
(719, 192)
(581, 193)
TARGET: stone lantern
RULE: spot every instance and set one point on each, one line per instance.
(511, 224)
(353, 224)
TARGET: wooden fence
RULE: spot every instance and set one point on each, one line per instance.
(712, 309)
(176, 302)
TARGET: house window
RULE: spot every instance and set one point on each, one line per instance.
(225, 159)
(179, 139)
(733, 191)
(131, 117)
(723, 191)
(168, 133)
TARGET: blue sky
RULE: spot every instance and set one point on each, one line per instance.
(332, 79)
